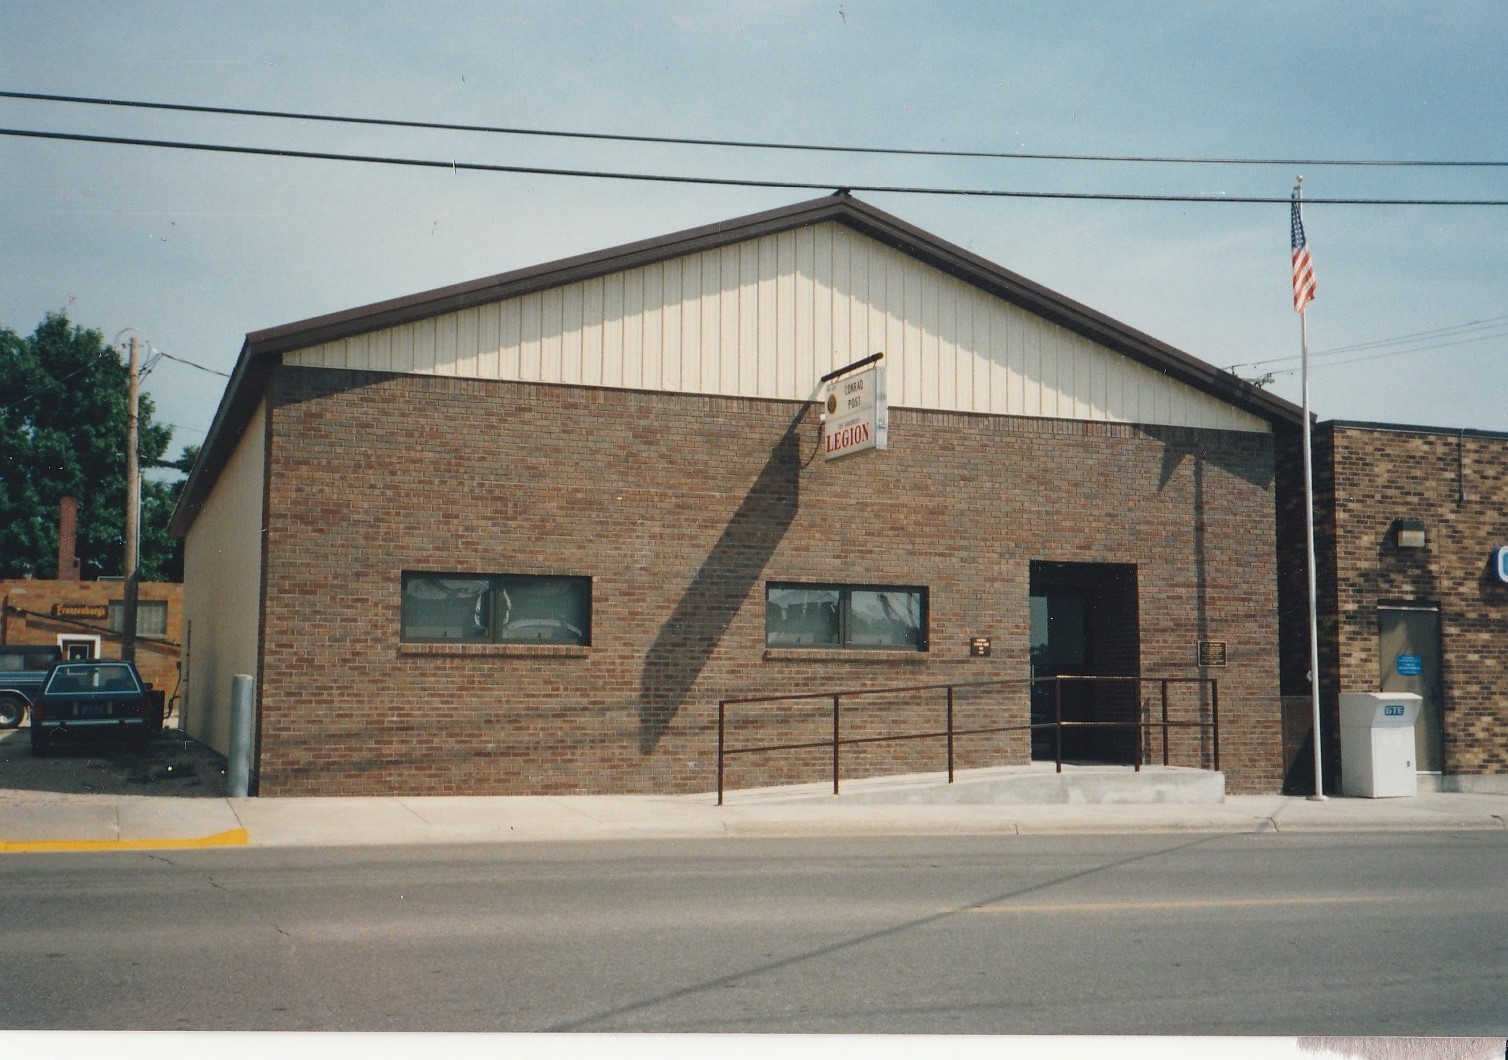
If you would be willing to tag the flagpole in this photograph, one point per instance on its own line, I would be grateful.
(1314, 670)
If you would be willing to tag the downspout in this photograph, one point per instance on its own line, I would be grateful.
(1461, 468)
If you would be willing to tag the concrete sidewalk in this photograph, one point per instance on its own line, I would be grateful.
(31, 822)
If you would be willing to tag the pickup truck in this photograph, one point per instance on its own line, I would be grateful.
(23, 668)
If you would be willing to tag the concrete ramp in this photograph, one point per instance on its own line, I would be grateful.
(1034, 785)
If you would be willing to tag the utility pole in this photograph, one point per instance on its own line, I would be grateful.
(133, 507)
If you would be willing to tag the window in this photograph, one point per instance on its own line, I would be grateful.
(151, 617)
(20, 658)
(845, 616)
(496, 608)
(92, 677)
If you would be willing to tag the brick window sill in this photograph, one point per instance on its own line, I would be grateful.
(556, 651)
(849, 655)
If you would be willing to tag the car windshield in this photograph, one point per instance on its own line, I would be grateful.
(92, 677)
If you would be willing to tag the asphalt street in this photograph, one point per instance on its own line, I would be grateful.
(1251, 934)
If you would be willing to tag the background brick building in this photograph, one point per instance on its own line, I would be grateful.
(522, 535)
(38, 611)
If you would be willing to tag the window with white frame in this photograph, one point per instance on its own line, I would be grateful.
(845, 616)
(496, 608)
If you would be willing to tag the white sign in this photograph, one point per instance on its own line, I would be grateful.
(1500, 561)
(857, 415)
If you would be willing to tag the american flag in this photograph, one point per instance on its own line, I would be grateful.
(1303, 266)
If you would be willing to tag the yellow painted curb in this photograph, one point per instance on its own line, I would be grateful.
(235, 837)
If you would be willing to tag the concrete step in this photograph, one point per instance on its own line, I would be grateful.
(1034, 785)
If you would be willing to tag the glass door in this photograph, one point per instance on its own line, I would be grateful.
(1059, 646)
(1408, 640)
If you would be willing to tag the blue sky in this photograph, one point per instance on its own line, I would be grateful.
(193, 250)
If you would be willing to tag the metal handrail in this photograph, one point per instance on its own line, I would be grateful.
(950, 732)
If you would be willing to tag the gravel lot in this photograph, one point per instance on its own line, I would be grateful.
(173, 766)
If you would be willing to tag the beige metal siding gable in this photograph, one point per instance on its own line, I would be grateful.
(769, 316)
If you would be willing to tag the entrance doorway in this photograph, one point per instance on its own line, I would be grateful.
(1408, 649)
(1084, 623)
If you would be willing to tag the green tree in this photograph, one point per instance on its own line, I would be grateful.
(63, 403)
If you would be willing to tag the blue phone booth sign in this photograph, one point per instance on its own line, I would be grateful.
(1500, 563)
(1410, 665)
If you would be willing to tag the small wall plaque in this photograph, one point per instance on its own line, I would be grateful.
(979, 647)
(1212, 653)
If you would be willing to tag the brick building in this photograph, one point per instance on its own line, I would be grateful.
(1408, 523)
(521, 535)
(37, 611)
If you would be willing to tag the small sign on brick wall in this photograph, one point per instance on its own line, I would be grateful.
(1212, 653)
(80, 611)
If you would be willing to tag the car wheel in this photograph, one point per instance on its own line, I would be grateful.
(11, 711)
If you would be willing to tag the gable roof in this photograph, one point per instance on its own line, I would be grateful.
(262, 350)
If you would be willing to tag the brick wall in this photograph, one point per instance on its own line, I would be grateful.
(681, 508)
(1457, 484)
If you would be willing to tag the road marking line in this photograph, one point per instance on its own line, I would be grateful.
(235, 837)
(1203, 903)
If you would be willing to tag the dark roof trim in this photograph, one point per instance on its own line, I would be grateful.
(535, 278)
(1413, 428)
(1070, 314)
(261, 349)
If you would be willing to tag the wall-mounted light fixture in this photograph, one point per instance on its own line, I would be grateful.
(1409, 533)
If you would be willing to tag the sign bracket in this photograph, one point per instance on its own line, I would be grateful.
(866, 362)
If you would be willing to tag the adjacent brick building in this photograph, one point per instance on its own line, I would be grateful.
(43, 611)
(522, 535)
(1408, 523)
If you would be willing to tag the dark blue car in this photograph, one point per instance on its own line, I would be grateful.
(93, 700)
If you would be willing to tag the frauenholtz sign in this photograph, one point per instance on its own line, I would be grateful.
(80, 611)
(857, 415)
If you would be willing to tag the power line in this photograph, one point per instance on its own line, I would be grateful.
(191, 364)
(154, 355)
(399, 123)
(191, 431)
(1375, 356)
(1491, 324)
(740, 182)
(1461, 334)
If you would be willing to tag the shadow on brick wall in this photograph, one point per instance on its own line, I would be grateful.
(724, 580)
